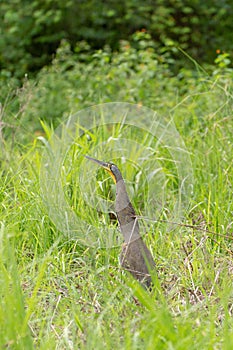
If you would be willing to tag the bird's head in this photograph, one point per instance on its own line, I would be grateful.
(111, 168)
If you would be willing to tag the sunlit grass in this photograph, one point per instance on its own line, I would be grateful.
(58, 293)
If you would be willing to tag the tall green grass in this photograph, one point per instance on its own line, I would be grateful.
(59, 294)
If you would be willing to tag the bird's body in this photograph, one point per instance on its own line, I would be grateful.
(135, 256)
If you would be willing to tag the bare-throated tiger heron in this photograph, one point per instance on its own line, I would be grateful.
(135, 256)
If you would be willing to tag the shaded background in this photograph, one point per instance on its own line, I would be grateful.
(31, 31)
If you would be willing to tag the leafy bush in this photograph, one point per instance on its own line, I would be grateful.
(32, 31)
(132, 74)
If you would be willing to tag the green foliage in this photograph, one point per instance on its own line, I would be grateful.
(136, 74)
(14, 331)
(57, 293)
(70, 84)
(77, 297)
(32, 31)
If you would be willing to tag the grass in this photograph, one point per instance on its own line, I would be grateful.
(59, 293)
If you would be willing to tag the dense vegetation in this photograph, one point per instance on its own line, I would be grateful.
(58, 292)
(31, 31)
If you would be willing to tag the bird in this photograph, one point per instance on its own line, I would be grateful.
(135, 256)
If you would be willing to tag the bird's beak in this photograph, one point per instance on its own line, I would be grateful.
(103, 165)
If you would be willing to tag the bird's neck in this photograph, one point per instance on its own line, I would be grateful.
(126, 214)
(122, 198)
